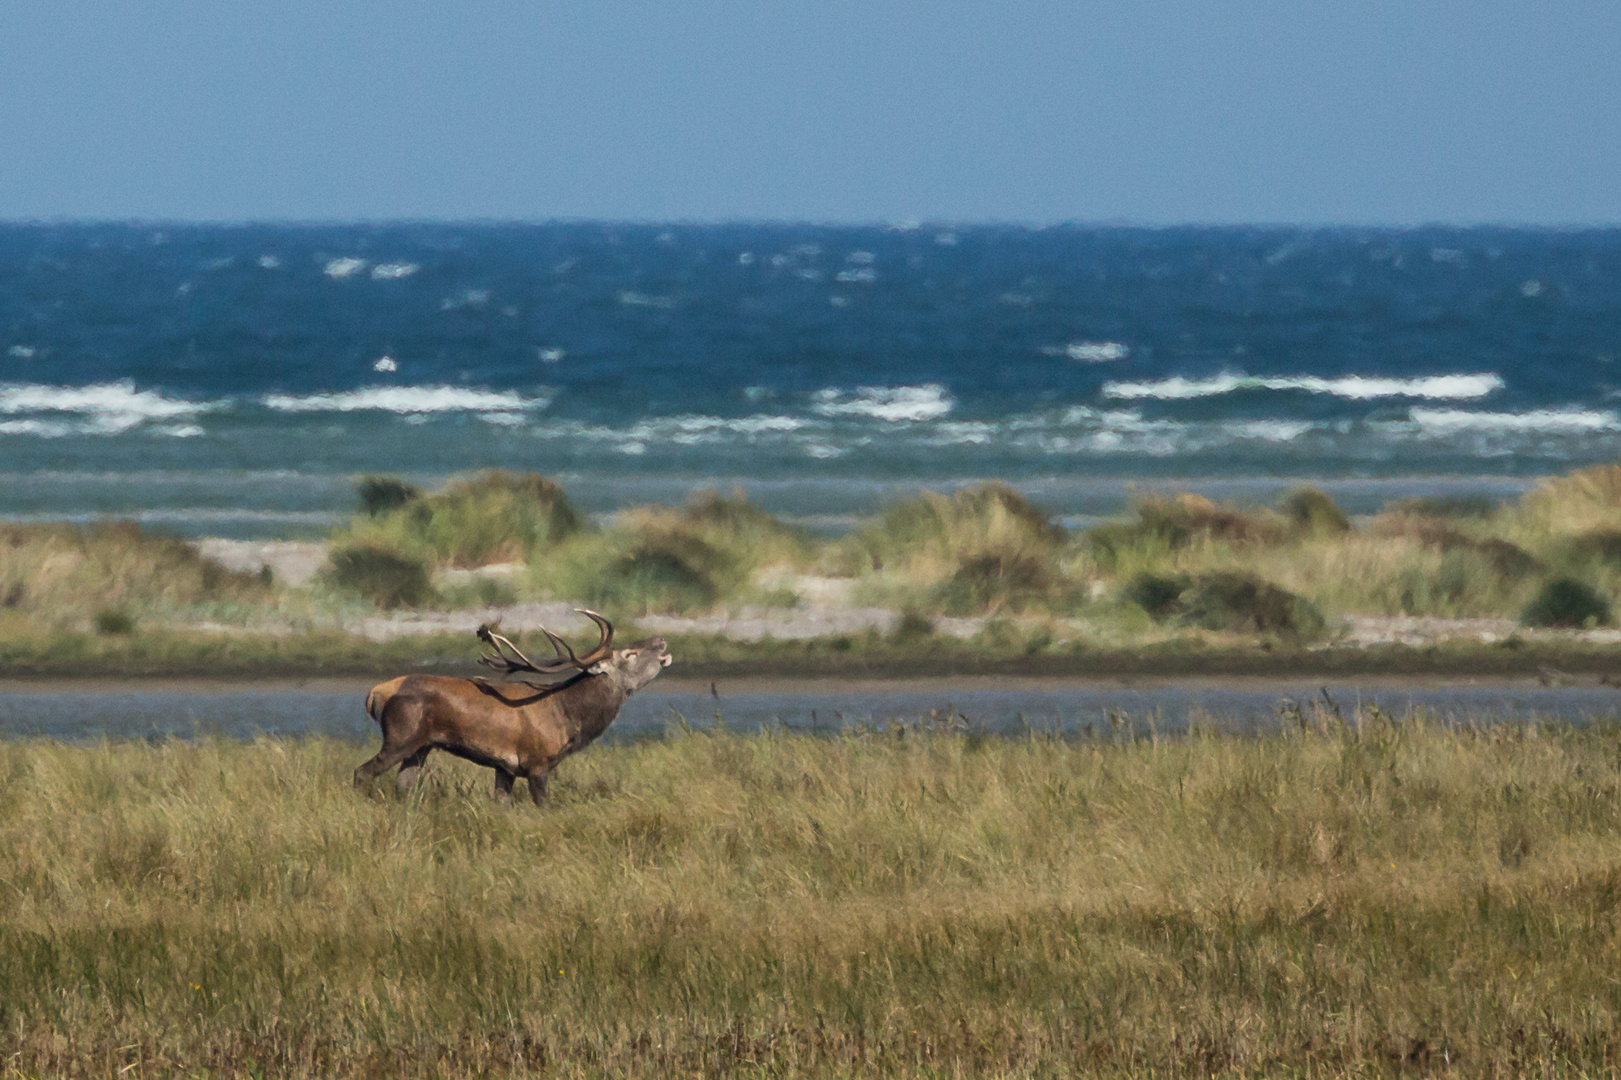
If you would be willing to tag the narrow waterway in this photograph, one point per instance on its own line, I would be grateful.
(66, 713)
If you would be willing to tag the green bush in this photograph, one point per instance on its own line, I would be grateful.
(1314, 512)
(112, 621)
(1566, 602)
(1171, 524)
(493, 517)
(382, 494)
(1160, 596)
(388, 577)
(1244, 604)
(983, 548)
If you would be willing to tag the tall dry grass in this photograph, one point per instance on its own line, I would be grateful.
(1339, 899)
(62, 576)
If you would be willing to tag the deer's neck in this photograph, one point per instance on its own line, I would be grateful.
(592, 706)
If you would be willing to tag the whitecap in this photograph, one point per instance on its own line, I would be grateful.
(408, 400)
(946, 239)
(550, 356)
(475, 298)
(839, 301)
(865, 275)
(636, 299)
(45, 429)
(179, 431)
(21, 352)
(1355, 387)
(386, 363)
(1569, 421)
(502, 419)
(634, 449)
(894, 404)
(1531, 288)
(1096, 352)
(824, 452)
(110, 408)
(1267, 430)
(269, 262)
(862, 258)
(342, 268)
(393, 271)
(746, 258)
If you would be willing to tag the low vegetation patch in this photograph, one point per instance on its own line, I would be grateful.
(1566, 603)
(389, 577)
(66, 575)
(658, 560)
(910, 901)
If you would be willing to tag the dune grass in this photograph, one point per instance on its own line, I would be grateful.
(660, 559)
(112, 574)
(1339, 899)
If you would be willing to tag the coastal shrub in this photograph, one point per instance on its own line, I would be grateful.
(1159, 595)
(381, 494)
(388, 577)
(1577, 502)
(1447, 506)
(982, 548)
(1245, 604)
(1314, 513)
(112, 621)
(1567, 603)
(64, 574)
(1602, 546)
(662, 560)
(1165, 525)
(493, 517)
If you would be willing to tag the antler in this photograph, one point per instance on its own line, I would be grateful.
(498, 660)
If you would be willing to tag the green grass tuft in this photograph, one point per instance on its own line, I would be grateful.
(492, 517)
(387, 577)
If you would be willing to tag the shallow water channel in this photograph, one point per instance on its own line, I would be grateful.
(1107, 711)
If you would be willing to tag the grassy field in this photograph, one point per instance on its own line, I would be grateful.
(1339, 899)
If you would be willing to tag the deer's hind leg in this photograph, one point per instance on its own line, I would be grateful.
(409, 768)
(386, 759)
(503, 785)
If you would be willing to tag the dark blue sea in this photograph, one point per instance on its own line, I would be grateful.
(234, 380)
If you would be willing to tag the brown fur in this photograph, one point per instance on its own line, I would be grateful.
(517, 729)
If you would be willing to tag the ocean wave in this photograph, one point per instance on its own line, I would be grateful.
(1096, 352)
(393, 271)
(1570, 421)
(109, 408)
(338, 269)
(895, 404)
(409, 400)
(1355, 387)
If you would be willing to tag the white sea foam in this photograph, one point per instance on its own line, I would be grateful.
(892, 403)
(342, 268)
(386, 363)
(473, 298)
(636, 299)
(409, 400)
(864, 275)
(1356, 387)
(179, 431)
(109, 408)
(550, 356)
(861, 258)
(393, 271)
(1267, 430)
(21, 352)
(746, 258)
(1538, 421)
(269, 262)
(1096, 352)
(45, 429)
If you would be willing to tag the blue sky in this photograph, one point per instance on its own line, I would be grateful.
(878, 110)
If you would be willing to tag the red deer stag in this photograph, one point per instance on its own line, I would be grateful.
(517, 728)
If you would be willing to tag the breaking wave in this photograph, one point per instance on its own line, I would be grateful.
(1353, 387)
(409, 399)
(895, 404)
(105, 408)
(1537, 421)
